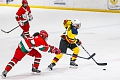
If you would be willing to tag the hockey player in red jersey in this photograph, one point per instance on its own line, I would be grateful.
(27, 47)
(23, 16)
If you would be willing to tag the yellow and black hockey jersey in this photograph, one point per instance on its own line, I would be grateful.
(70, 33)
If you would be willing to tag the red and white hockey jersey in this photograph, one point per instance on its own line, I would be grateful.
(27, 44)
(23, 14)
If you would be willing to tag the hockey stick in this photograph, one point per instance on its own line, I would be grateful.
(91, 56)
(10, 30)
(101, 64)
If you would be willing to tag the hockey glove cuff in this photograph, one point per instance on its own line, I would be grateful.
(30, 17)
(21, 23)
(55, 50)
(78, 42)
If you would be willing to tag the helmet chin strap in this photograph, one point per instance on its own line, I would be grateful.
(77, 27)
(46, 39)
(24, 6)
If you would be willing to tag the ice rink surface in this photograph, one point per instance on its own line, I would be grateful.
(100, 34)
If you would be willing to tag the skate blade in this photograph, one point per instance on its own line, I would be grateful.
(74, 67)
(3, 76)
(35, 73)
(49, 69)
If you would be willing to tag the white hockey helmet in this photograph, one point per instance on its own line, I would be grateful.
(76, 22)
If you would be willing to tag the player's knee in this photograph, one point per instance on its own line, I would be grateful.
(15, 60)
(38, 55)
(59, 55)
(76, 50)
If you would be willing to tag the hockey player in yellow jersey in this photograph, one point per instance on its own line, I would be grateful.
(68, 40)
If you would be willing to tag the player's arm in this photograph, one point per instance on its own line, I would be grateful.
(29, 14)
(49, 48)
(19, 17)
(67, 23)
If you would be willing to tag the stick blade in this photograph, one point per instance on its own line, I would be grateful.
(4, 31)
(102, 64)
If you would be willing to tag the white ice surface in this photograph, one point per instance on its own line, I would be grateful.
(100, 34)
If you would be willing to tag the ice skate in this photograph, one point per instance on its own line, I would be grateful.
(73, 64)
(4, 74)
(35, 71)
(50, 67)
